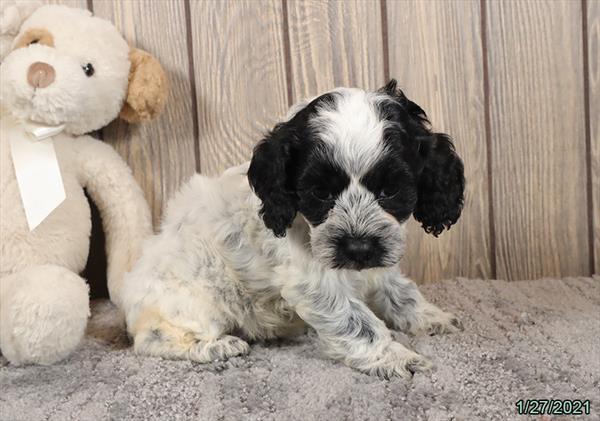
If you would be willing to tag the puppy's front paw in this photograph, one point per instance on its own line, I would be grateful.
(433, 321)
(399, 361)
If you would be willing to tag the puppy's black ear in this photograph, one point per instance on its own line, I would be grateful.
(441, 184)
(268, 177)
(412, 108)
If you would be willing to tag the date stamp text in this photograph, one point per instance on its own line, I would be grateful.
(553, 406)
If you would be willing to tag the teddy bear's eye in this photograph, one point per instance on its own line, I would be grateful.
(88, 69)
(35, 41)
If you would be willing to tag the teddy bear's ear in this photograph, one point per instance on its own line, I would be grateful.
(12, 16)
(148, 87)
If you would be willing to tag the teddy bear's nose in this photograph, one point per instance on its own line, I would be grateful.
(40, 74)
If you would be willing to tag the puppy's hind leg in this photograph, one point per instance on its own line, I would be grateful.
(153, 335)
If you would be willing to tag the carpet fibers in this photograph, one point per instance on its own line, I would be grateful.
(522, 340)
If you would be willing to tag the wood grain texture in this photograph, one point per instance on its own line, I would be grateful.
(538, 138)
(436, 55)
(536, 85)
(593, 25)
(335, 43)
(71, 3)
(160, 152)
(240, 77)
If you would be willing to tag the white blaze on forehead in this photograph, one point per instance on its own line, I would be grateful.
(353, 128)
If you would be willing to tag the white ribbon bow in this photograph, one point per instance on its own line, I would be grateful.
(37, 171)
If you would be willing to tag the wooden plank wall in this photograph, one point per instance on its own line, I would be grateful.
(239, 73)
(517, 85)
(538, 143)
(592, 33)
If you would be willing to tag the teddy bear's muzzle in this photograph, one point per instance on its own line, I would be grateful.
(40, 75)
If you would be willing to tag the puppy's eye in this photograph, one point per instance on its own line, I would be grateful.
(388, 192)
(88, 69)
(35, 41)
(322, 194)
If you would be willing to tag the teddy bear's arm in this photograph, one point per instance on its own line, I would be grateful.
(125, 214)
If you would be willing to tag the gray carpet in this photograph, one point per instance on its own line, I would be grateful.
(538, 339)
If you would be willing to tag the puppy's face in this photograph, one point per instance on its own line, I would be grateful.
(356, 165)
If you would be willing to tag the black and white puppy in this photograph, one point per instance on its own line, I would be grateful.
(310, 233)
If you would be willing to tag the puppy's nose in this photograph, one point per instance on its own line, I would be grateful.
(357, 249)
(40, 75)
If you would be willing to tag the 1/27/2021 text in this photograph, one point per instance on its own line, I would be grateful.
(553, 406)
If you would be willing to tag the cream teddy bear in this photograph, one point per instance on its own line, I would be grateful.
(64, 73)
